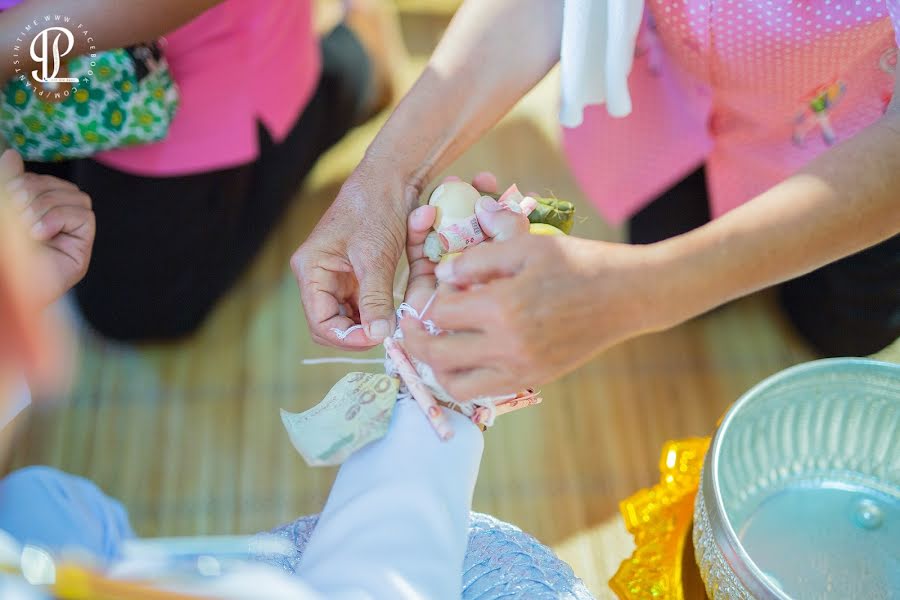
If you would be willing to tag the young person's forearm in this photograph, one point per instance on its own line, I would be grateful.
(109, 24)
(491, 55)
(844, 201)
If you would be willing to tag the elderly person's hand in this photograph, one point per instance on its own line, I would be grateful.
(528, 309)
(345, 269)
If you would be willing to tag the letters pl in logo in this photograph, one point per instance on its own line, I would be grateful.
(48, 48)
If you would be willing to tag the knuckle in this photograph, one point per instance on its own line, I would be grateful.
(376, 263)
(297, 263)
(503, 313)
(381, 244)
(376, 299)
(375, 266)
(299, 259)
(49, 202)
(43, 200)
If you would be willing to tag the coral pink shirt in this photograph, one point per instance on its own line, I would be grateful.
(240, 62)
(752, 88)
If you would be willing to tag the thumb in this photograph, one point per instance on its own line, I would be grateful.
(498, 222)
(11, 165)
(376, 298)
(483, 263)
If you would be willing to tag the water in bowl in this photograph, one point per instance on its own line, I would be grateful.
(827, 540)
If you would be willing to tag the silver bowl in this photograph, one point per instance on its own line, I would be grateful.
(800, 491)
(502, 562)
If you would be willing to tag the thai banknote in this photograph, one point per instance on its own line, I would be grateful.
(355, 412)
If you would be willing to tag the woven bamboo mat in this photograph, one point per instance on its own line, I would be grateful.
(188, 435)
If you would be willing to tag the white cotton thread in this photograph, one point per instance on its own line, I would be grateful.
(424, 372)
(341, 359)
(428, 304)
(343, 333)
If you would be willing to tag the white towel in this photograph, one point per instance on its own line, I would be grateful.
(598, 42)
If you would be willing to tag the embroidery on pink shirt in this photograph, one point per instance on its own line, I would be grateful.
(815, 113)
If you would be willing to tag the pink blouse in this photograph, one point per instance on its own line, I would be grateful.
(752, 88)
(241, 62)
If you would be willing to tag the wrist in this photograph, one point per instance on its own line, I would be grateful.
(686, 272)
(422, 134)
(382, 184)
(641, 283)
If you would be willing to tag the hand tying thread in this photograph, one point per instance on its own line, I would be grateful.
(342, 334)
(419, 383)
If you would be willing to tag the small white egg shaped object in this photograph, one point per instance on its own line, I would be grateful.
(453, 200)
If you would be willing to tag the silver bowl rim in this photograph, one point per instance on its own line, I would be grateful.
(740, 562)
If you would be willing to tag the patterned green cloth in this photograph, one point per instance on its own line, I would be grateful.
(130, 99)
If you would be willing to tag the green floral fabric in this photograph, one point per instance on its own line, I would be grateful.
(112, 109)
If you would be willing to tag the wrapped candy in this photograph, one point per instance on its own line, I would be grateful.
(456, 226)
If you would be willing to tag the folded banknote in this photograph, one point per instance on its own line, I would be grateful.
(356, 412)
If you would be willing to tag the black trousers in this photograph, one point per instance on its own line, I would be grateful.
(167, 248)
(847, 308)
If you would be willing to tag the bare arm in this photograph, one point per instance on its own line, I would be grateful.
(842, 202)
(110, 24)
(493, 52)
(547, 304)
(491, 55)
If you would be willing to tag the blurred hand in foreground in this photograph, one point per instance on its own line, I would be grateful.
(58, 216)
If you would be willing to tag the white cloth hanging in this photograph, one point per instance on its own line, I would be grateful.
(598, 42)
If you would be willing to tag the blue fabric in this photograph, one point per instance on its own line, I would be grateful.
(59, 512)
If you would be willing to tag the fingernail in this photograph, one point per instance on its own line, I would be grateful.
(489, 204)
(37, 229)
(444, 271)
(528, 205)
(378, 330)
